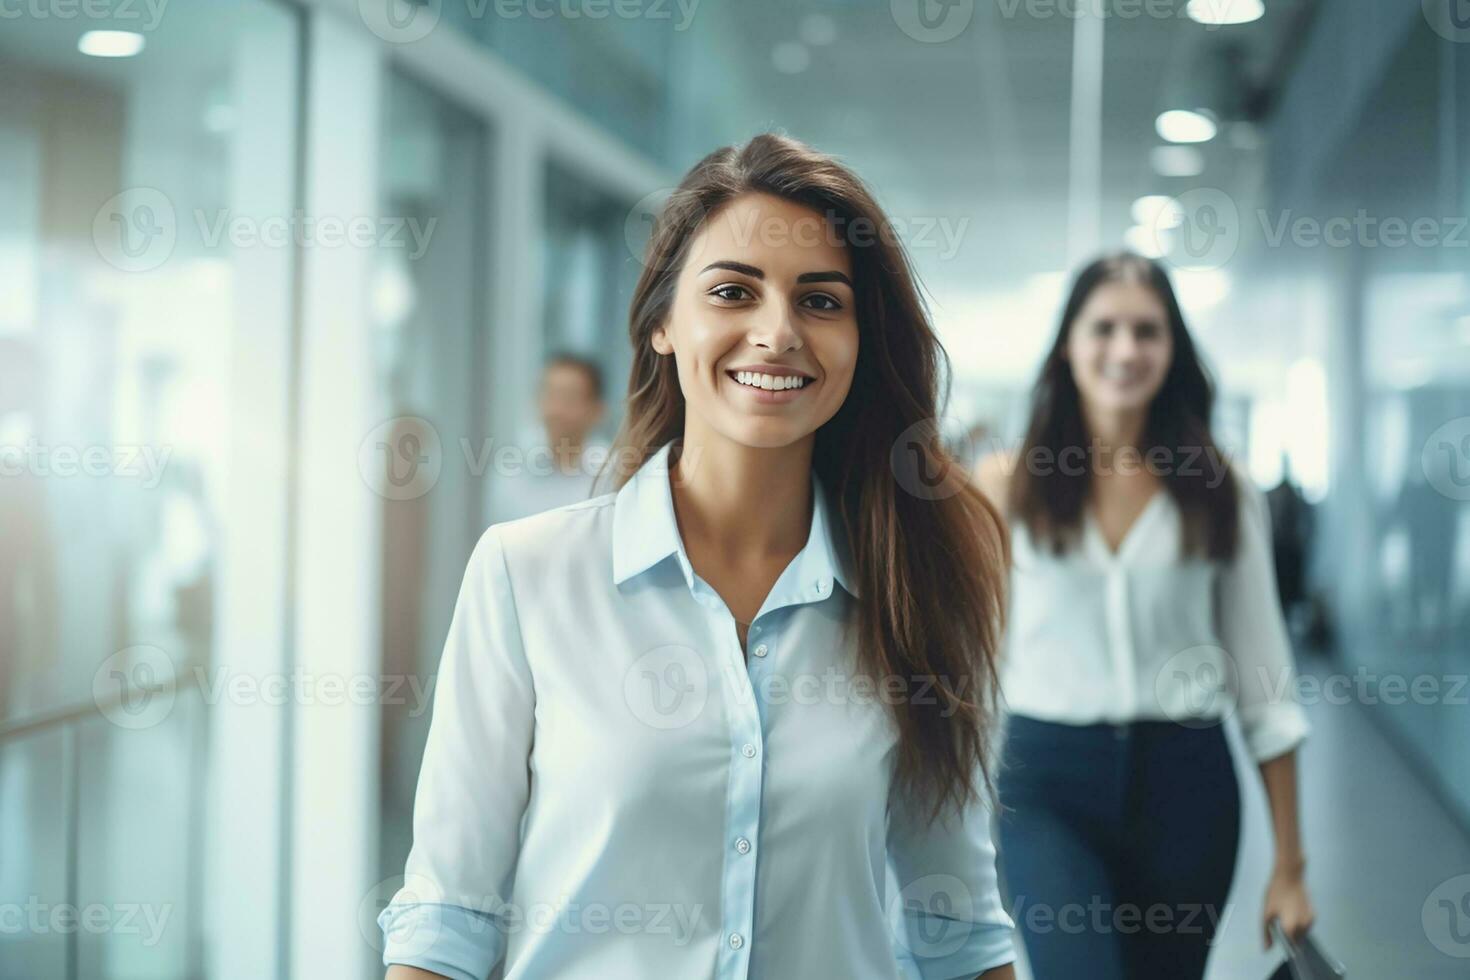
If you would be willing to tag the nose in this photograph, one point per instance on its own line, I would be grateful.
(1124, 345)
(773, 328)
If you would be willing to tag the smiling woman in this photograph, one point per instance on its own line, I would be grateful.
(765, 661)
(776, 332)
(1143, 613)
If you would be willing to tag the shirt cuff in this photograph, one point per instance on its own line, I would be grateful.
(985, 947)
(1274, 731)
(445, 939)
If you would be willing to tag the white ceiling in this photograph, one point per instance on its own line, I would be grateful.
(974, 131)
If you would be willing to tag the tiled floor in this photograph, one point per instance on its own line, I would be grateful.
(1378, 843)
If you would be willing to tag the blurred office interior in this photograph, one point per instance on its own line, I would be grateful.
(277, 279)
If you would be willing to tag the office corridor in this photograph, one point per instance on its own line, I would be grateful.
(300, 297)
(1379, 843)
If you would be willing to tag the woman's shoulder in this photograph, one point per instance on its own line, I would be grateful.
(570, 531)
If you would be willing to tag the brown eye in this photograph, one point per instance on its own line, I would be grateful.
(725, 292)
(828, 303)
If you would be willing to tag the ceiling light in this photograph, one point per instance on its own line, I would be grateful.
(110, 44)
(1155, 211)
(1185, 126)
(1219, 13)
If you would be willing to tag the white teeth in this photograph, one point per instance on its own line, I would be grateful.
(770, 382)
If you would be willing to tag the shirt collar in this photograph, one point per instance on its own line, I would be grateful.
(645, 532)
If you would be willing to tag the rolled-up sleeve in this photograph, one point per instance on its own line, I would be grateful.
(951, 921)
(1253, 632)
(450, 916)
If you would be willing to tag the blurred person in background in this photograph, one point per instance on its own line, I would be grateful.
(561, 470)
(605, 734)
(1291, 544)
(1143, 611)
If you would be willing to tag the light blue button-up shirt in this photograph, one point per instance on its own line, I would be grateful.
(613, 789)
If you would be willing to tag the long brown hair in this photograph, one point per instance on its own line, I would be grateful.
(1050, 499)
(930, 565)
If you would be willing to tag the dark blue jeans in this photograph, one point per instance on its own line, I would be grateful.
(1117, 846)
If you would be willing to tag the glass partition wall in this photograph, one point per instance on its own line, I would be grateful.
(133, 272)
(429, 319)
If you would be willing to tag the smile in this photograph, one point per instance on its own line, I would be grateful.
(770, 389)
(769, 382)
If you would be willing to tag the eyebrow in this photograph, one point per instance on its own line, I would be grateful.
(831, 275)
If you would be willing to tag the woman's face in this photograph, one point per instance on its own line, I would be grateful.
(1119, 347)
(763, 327)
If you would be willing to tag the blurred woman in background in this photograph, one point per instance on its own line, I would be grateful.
(1143, 611)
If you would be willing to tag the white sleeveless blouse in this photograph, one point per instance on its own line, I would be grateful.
(1145, 633)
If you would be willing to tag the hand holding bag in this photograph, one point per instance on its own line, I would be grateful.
(1305, 960)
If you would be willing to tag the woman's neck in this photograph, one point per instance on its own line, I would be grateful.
(1115, 429)
(745, 502)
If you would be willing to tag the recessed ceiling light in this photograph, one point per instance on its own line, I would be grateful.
(1185, 126)
(1157, 211)
(1176, 161)
(110, 44)
(1219, 13)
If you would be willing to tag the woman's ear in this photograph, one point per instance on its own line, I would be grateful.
(660, 340)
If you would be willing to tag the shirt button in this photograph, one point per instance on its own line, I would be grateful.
(761, 650)
(821, 587)
(736, 940)
(748, 750)
(743, 846)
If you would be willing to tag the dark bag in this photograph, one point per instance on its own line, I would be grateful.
(1305, 960)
